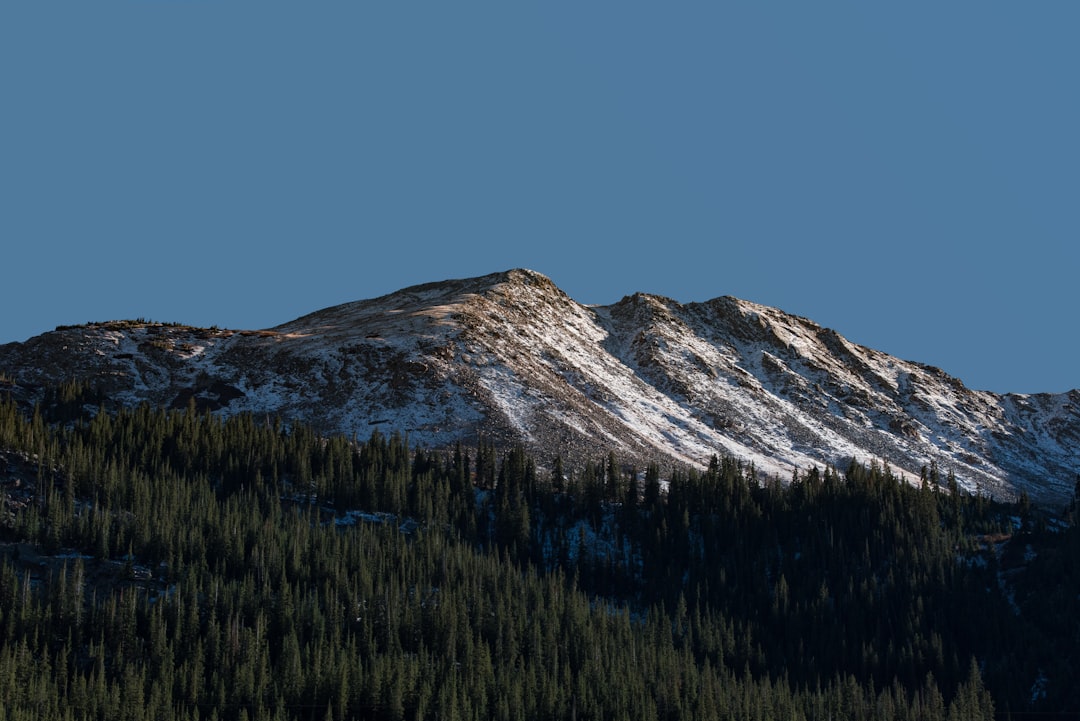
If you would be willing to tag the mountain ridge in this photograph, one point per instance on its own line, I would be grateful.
(511, 358)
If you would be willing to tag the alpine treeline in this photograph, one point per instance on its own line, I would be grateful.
(177, 565)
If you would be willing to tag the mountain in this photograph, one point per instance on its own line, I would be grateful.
(511, 358)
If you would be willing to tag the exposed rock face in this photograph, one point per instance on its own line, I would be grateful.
(509, 356)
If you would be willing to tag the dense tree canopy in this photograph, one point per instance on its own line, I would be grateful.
(171, 564)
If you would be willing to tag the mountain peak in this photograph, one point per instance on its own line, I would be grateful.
(518, 278)
(480, 284)
(511, 358)
(527, 276)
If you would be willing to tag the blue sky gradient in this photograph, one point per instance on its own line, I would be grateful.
(908, 174)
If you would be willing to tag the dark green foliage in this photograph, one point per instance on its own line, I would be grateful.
(210, 572)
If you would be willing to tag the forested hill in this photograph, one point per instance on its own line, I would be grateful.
(177, 565)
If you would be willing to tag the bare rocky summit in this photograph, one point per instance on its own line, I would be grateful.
(511, 358)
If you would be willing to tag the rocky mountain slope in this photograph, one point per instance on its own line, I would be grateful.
(511, 358)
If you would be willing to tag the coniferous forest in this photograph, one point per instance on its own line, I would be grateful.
(177, 565)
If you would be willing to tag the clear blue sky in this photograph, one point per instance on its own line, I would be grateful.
(906, 173)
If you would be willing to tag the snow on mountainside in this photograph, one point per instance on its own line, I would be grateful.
(511, 358)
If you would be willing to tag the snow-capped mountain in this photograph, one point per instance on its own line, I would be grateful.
(511, 358)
